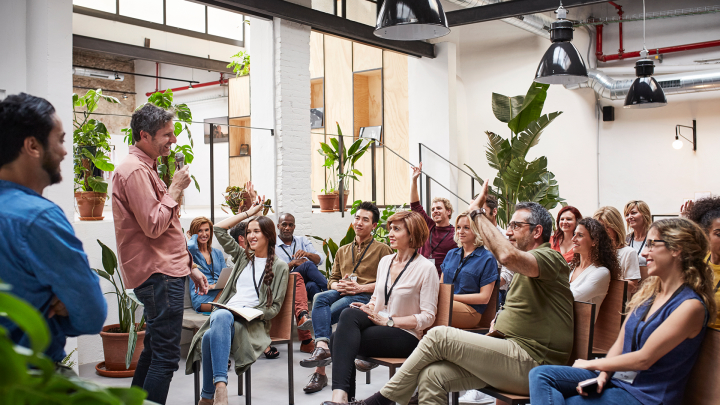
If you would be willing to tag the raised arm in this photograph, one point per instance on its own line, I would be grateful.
(228, 223)
(414, 195)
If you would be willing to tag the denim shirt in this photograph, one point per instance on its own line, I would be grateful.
(479, 270)
(212, 272)
(41, 258)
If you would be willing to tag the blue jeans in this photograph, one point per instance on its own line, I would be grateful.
(216, 350)
(315, 282)
(327, 308)
(163, 297)
(556, 385)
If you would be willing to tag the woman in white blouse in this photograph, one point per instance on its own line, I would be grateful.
(611, 219)
(594, 264)
(403, 305)
(638, 219)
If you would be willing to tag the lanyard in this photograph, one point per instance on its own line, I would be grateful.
(463, 260)
(361, 256)
(389, 293)
(293, 245)
(717, 286)
(632, 243)
(432, 249)
(647, 322)
(257, 286)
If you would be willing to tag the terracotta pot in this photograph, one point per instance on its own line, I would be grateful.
(115, 347)
(90, 205)
(327, 202)
(336, 206)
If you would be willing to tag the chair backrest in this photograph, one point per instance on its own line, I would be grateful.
(443, 315)
(281, 326)
(491, 308)
(703, 386)
(584, 315)
(610, 316)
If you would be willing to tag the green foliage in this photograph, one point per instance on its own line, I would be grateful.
(29, 377)
(345, 159)
(330, 249)
(126, 300)
(380, 233)
(241, 66)
(91, 142)
(517, 179)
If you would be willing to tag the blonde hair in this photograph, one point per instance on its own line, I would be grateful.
(692, 242)
(613, 221)
(473, 226)
(415, 224)
(643, 209)
(195, 228)
(445, 202)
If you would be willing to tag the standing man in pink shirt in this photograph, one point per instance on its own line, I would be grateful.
(152, 252)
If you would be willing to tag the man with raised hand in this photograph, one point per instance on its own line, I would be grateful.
(352, 280)
(152, 252)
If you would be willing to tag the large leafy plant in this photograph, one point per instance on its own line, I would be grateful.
(29, 377)
(342, 162)
(519, 179)
(91, 142)
(127, 303)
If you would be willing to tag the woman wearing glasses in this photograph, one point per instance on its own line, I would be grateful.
(638, 218)
(611, 219)
(473, 271)
(660, 339)
(561, 241)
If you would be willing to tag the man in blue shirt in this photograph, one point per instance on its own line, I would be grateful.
(300, 255)
(40, 255)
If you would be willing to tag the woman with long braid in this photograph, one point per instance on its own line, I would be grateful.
(259, 280)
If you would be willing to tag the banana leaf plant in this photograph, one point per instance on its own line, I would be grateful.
(29, 377)
(91, 142)
(335, 159)
(517, 179)
(128, 303)
(330, 248)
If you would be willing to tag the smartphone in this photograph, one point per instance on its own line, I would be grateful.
(356, 305)
(593, 382)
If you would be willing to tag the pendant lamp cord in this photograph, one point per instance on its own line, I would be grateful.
(644, 47)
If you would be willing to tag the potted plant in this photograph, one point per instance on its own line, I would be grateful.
(342, 162)
(123, 341)
(91, 146)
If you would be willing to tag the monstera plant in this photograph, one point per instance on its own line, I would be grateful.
(519, 179)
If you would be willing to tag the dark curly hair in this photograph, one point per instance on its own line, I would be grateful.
(704, 212)
(604, 252)
(267, 227)
(149, 118)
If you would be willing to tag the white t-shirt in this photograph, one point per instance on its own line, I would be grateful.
(245, 294)
(638, 247)
(591, 286)
(629, 263)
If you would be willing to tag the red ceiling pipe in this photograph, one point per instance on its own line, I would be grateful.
(620, 25)
(669, 49)
(194, 86)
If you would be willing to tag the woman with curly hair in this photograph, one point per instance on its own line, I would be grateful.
(706, 213)
(659, 341)
(561, 240)
(259, 280)
(612, 220)
(594, 264)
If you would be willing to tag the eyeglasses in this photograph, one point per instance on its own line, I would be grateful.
(516, 224)
(652, 242)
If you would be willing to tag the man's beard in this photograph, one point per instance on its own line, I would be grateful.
(52, 169)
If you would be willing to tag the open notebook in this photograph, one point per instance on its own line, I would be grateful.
(248, 313)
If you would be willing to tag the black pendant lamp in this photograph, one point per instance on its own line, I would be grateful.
(408, 20)
(645, 92)
(562, 63)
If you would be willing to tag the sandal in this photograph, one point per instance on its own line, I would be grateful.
(272, 353)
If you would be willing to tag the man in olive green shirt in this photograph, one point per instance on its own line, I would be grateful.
(534, 328)
(352, 280)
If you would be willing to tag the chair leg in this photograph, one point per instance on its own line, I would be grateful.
(240, 385)
(392, 371)
(291, 374)
(196, 380)
(248, 395)
(367, 377)
(455, 398)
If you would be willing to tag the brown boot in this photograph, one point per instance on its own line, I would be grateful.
(320, 358)
(317, 382)
(308, 348)
(221, 395)
(205, 401)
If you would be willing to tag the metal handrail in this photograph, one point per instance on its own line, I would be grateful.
(443, 158)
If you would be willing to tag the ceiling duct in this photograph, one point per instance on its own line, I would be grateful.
(98, 74)
(537, 24)
(616, 89)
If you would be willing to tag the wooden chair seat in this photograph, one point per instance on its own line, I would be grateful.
(505, 397)
(703, 386)
(610, 318)
(492, 306)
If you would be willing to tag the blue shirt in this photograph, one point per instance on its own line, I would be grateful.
(285, 252)
(479, 269)
(41, 257)
(211, 271)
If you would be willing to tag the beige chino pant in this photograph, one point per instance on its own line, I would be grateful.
(451, 360)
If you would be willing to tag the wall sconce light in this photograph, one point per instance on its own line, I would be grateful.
(677, 144)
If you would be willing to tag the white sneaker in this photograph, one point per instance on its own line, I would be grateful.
(476, 397)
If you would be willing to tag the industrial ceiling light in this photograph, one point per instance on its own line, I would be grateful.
(677, 144)
(407, 20)
(562, 63)
(645, 91)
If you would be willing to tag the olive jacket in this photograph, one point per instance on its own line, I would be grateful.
(251, 338)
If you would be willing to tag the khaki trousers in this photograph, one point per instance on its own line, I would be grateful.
(464, 316)
(451, 360)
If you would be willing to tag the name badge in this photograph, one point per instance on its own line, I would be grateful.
(625, 376)
(384, 314)
(432, 261)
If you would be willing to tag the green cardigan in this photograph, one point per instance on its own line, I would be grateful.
(251, 338)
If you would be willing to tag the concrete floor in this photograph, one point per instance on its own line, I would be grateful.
(269, 382)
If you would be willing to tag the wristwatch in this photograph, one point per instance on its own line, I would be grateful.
(390, 322)
(475, 213)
